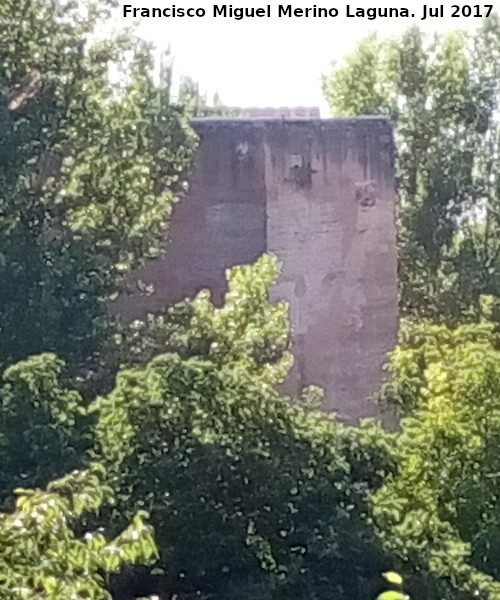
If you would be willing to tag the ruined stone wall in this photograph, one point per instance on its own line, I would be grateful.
(320, 194)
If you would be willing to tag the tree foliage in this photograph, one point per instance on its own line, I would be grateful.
(88, 174)
(247, 331)
(249, 494)
(190, 95)
(422, 344)
(440, 512)
(41, 556)
(443, 95)
(42, 425)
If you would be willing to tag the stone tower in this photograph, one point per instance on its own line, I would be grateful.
(320, 194)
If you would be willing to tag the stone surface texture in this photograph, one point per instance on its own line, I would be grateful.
(320, 194)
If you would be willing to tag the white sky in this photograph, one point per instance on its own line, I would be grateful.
(276, 61)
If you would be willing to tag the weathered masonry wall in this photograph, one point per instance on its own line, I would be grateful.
(320, 194)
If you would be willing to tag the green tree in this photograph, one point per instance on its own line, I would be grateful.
(443, 95)
(439, 513)
(92, 156)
